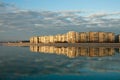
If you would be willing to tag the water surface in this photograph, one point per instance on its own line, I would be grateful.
(24, 63)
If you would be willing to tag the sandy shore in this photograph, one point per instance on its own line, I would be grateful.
(66, 44)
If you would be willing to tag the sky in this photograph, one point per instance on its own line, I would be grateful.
(22, 19)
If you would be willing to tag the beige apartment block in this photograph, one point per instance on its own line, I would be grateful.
(76, 37)
(93, 36)
(71, 37)
(102, 37)
(31, 40)
(55, 38)
(51, 39)
(64, 38)
(46, 39)
(59, 37)
(35, 40)
(111, 37)
(119, 38)
(83, 37)
(40, 39)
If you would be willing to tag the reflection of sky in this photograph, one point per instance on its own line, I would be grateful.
(19, 61)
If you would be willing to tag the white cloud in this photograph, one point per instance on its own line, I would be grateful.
(5, 7)
(17, 20)
(2, 31)
(32, 18)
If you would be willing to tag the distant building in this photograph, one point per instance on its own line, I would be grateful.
(51, 39)
(93, 36)
(111, 37)
(76, 37)
(83, 37)
(119, 38)
(102, 37)
(71, 37)
(31, 40)
(34, 40)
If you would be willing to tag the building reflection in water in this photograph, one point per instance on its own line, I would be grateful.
(72, 52)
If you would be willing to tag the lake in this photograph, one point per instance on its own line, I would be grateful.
(59, 63)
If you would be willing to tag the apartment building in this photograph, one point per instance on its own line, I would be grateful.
(71, 37)
(31, 40)
(102, 37)
(111, 37)
(83, 37)
(93, 36)
(34, 40)
(119, 38)
(76, 37)
(51, 39)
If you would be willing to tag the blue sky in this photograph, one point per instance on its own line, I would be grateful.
(21, 19)
(67, 4)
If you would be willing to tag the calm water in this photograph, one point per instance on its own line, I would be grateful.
(42, 63)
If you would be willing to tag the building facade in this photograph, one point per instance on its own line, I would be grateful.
(119, 38)
(102, 37)
(110, 37)
(93, 36)
(76, 37)
(83, 37)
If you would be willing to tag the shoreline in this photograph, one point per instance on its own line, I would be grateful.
(66, 44)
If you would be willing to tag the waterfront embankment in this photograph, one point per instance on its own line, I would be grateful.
(66, 44)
